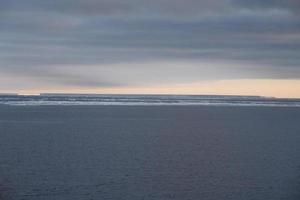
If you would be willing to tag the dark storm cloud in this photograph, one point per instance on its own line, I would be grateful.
(36, 36)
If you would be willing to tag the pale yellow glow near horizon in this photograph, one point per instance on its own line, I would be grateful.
(261, 87)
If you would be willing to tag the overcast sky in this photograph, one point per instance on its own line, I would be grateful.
(61, 44)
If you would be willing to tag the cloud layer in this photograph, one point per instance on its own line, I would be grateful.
(100, 43)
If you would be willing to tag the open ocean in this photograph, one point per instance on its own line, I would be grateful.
(149, 147)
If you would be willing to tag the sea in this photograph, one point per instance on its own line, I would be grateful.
(149, 147)
(102, 99)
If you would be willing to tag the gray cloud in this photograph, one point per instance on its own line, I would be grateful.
(36, 36)
(292, 5)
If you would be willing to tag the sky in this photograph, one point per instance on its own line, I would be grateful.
(238, 47)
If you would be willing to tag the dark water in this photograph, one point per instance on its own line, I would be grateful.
(149, 152)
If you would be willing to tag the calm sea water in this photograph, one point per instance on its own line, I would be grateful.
(149, 152)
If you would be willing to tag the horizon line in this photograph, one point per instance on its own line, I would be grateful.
(136, 94)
